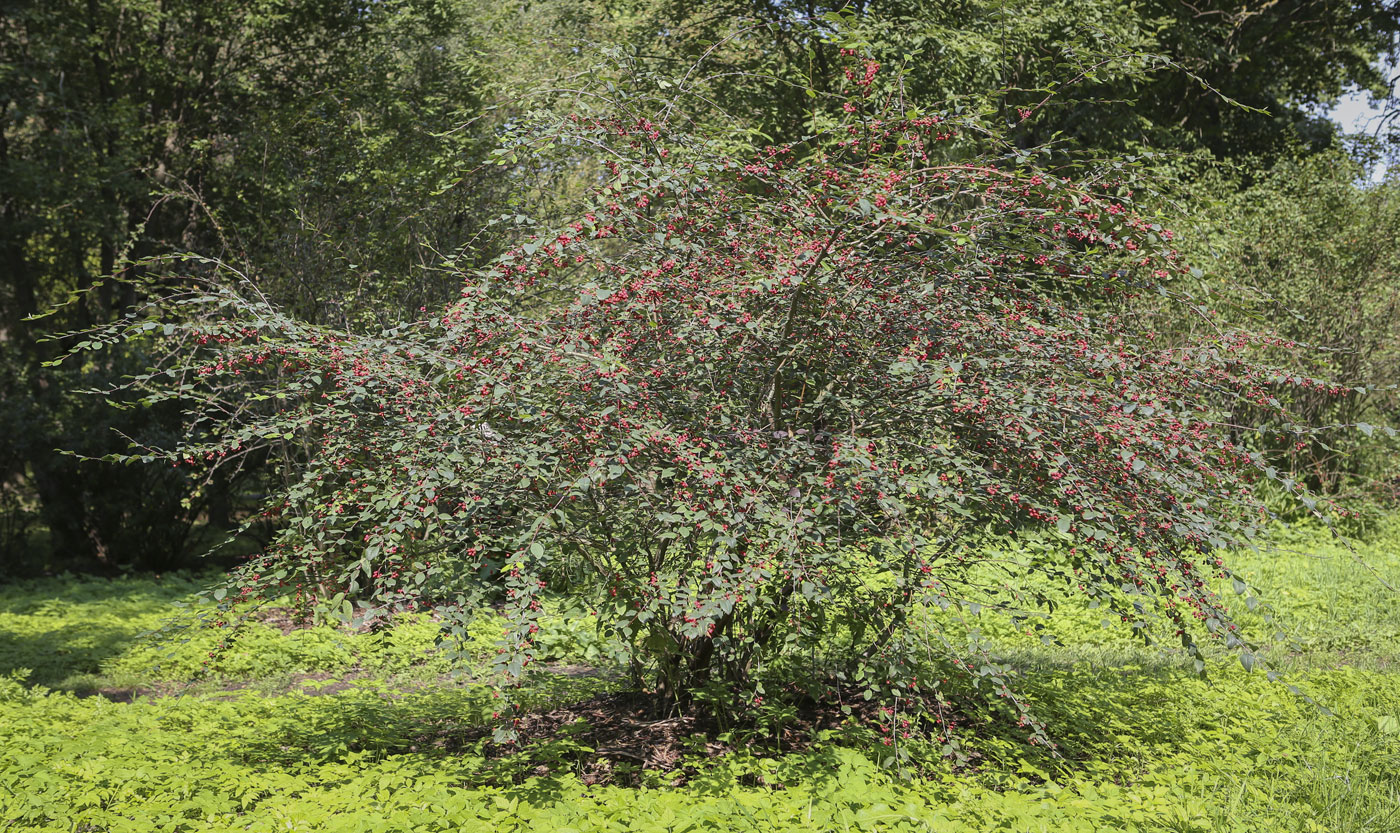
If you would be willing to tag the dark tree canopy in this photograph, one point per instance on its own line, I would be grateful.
(1122, 77)
(296, 139)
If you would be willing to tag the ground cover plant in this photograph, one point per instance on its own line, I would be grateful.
(1145, 744)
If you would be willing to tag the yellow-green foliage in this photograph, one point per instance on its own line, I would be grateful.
(1309, 598)
(1145, 745)
(1163, 752)
(85, 633)
(68, 626)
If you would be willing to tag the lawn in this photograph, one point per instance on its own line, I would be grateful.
(332, 729)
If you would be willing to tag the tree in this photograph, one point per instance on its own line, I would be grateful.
(1312, 249)
(762, 403)
(1112, 76)
(257, 130)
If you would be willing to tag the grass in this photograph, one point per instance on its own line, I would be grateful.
(326, 729)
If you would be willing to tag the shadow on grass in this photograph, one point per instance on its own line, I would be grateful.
(1094, 706)
(579, 729)
(453, 726)
(58, 655)
(69, 626)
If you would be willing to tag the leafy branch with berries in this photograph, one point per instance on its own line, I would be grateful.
(760, 411)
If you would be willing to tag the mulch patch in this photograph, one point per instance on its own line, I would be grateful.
(620, 727)
(612, 737)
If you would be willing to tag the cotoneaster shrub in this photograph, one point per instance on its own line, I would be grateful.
(754, 407)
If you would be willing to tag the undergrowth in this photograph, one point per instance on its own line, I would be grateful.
(332, 729)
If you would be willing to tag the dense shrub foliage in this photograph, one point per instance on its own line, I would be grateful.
(757, 402)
